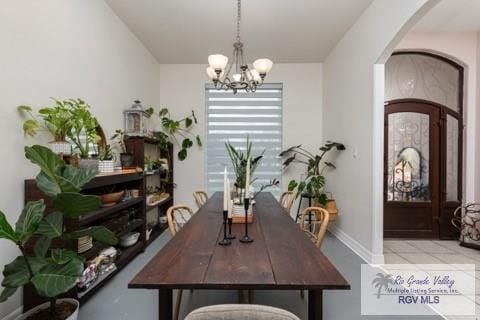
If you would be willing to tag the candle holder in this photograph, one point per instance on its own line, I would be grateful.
(246, 238)
(230, 236)
(225, 241)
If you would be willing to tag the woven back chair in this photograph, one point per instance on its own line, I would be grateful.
(318, 228)
(200, 198)
(240, 311)
(287, 199)
(177, 217)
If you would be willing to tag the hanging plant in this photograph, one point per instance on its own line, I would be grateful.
(176, 131)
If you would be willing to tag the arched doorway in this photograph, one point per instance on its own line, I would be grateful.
(423, 145)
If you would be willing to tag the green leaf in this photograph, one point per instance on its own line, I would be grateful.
(16, 274)
(289, 160)
(30, 219)
(74, 205)
(284, 152)
(24, 108)
(78, 177)
(163, 112)
(41, 246)
(199, 141)
(62, 256)
(331, 165)
(56, 279)
(7, 293)
(187, 143)
(188, 122)
(194, 117)
(182, 154)
(30, 127)
(149, 112)
(6, 230)
(292, 185)
(99, 233)
(51, 226)
(48, 161)
(48, 185)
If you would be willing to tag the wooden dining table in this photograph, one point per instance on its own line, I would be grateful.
(281, 257)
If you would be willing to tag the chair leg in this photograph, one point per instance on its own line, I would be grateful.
(177, 304)
(298, 210)
(302, 294)
(250, 296)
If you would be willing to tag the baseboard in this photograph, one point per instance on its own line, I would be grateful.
(356, 247)
(13, 315)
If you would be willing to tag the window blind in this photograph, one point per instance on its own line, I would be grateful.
(234, 117)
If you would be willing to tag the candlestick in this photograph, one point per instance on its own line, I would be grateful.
(230, 236)
(225, 241)
(246, 238)
(247, 176)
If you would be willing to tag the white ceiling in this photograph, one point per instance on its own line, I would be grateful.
(452, 16)
(187, 31)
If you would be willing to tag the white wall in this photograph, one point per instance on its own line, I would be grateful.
(477, 134)
(462, 48)
(353, 114)
(182, 88)
(64, 49)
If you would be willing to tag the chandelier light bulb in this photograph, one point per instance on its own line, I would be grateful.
(237, 77)
(217, 61)
(254, 75)
(263, 66)
(212, 75)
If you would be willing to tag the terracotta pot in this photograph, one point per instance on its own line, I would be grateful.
(46, 305)
(111, 199)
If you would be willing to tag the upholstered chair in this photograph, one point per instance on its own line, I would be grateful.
(240, 311)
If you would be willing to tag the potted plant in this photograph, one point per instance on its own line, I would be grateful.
(174, 131)
(52, 272)
(54, 119)
(314, 183)
(239, 162)
(106, 162)
(126, 159)
(83, 132)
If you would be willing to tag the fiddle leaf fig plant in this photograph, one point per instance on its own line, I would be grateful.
(84, 126)
(51, 271)
(176, 131)
(314, 182)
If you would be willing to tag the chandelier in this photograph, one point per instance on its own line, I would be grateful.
(243, 78)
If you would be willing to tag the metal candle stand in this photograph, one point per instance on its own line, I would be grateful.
(225, 241)
(246, 238)
(230, 236)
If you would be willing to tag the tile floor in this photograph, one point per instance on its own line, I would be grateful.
(433, 252)
(116, 302)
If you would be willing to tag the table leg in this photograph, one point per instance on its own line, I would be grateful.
(165, 304)
(315, 305)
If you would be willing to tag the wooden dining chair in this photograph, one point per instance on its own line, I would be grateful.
(287, 199)
(177, 217)
(318, 228)
(200, 198)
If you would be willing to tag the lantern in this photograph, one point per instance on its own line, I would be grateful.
(135, 120)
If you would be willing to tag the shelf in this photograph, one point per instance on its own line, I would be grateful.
(157, 231)
(145, 139)
(105, 212)
(112, 178)
(137, 223)
(160, 203)
(98, 282)
(128, 254)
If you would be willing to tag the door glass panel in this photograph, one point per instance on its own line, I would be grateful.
(452, 158)
(408, 156)
(422, 77)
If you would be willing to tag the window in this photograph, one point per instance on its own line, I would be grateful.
(233, 117)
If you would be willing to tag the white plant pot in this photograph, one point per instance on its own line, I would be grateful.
(46, 305)
(106, 166)
(61, 147)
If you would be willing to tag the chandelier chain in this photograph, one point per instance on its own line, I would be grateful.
(239, 16)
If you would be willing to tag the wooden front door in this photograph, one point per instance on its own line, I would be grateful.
(416, 185)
